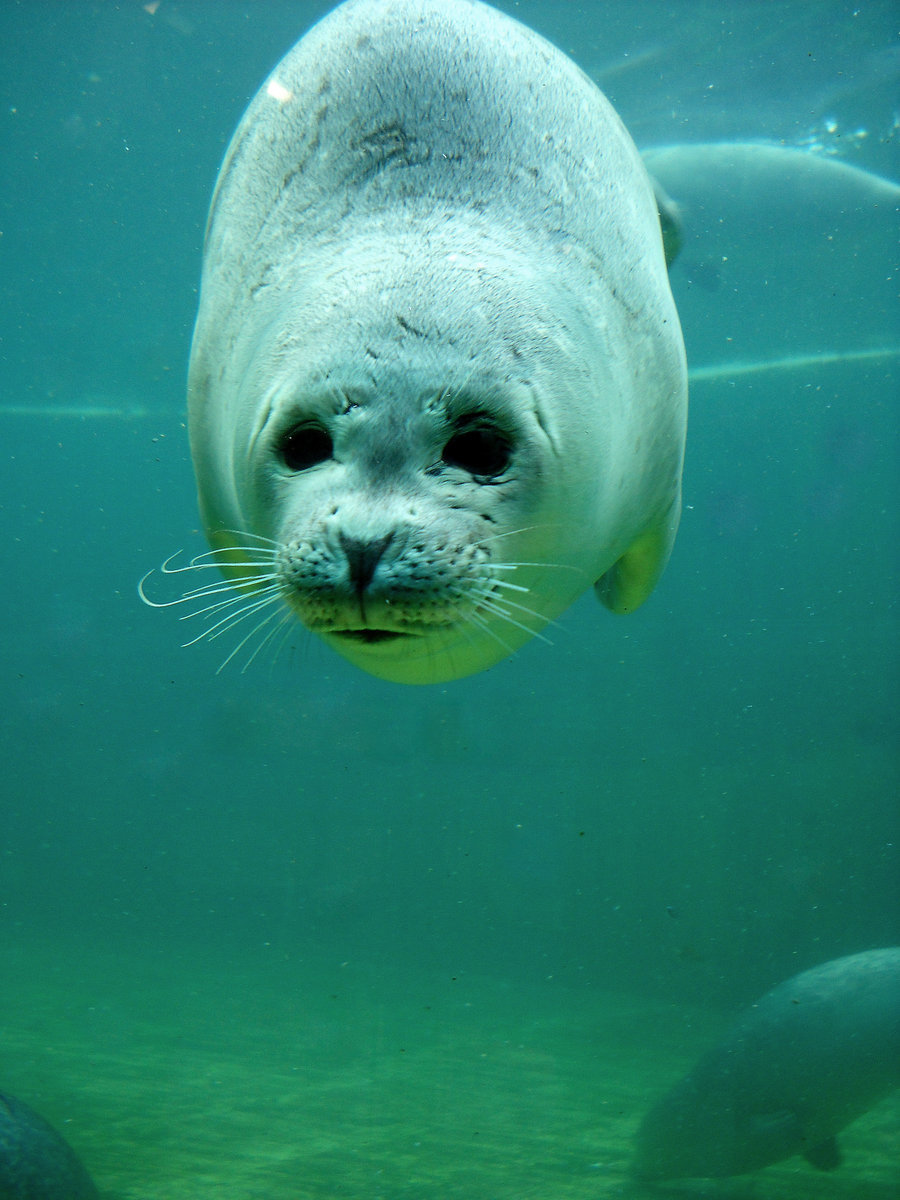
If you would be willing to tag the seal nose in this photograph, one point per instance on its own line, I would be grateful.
(363, 557)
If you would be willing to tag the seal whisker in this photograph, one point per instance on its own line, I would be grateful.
(500, 602)
(505, 602)
(510, 587)
(337, 394)
(201, 592)
(232, 596)
(230, 602)
(510, 620)
(487, 628)
(208, 560)
(449, 393)
(219, 607)
(472, 615)
(261, 552)
(284, 619)
(283, 622)
(244, 585)
(216, 566)
(154, 603)
(487, 604)
(230, 620)
(243, 642)
(287, 627)
(257, 537)
(514, 566)
(504, 533)
(214, 631)
(228, 564)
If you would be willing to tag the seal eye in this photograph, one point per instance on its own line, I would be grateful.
(305, 447)
(481, 451)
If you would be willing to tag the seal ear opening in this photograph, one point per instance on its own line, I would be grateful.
(631, 578)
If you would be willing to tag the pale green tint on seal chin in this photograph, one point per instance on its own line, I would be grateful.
(437, 371)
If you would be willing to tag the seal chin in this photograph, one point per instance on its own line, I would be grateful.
(407, 650)
(420, 657)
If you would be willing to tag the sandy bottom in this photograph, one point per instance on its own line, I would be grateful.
(180, 1079)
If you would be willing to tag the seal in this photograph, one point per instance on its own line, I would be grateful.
(804, 1061)
(437, 384)
(35, 1162)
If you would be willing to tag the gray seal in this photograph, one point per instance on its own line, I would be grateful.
(35, 1162)
(807, 1059)
(437, 384)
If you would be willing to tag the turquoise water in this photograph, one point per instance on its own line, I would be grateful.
(293, 932)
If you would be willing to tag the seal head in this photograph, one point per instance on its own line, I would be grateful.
(436, 363)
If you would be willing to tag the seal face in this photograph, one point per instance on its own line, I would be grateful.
(437, 368)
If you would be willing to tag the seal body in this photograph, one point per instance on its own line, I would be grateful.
(436, 362)
(35, 1162)
(808, 1058)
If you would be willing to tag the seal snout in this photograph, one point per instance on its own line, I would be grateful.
(370, 581)
(363, 556)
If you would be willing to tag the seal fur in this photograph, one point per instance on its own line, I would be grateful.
(436, 365)
(799, 1065)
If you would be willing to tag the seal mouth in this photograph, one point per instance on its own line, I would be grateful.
(368, 637)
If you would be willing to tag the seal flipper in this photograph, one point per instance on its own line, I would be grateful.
(826, 1155)
(670, 223)
(631, 579)
(633, 576)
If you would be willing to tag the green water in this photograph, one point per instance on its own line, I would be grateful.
(296, 933)
(297, 1080)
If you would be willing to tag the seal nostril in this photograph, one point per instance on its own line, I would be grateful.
(363, 557)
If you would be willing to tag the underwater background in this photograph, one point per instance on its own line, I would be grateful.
(296, 932)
